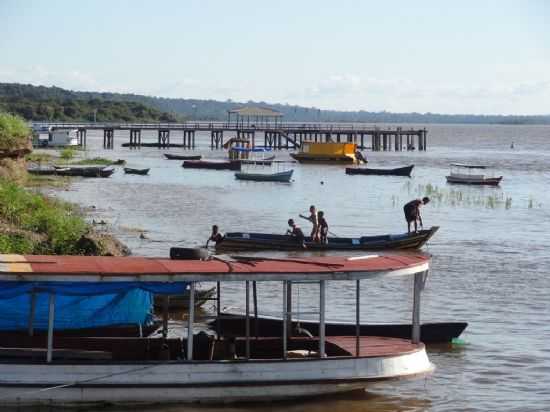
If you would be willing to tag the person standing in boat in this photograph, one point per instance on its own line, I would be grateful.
(216, 235)
(296, 233)
(323, 227)
(412, 213)
(314, 219)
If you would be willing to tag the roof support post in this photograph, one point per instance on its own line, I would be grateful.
(285, 310)
(322, 295)
(255, 300)
(419, 282)
(51, 315)
(357, 317)
(288, 317)
(32, 312)
(165, 305)
(218, 309)
(190, 321)
(247, 324)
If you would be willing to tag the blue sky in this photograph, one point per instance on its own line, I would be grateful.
(401, 56)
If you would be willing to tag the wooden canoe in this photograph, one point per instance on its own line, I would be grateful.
(264, 241)
(232, 324)
(182, 157)
(398, 171)
(130, 171)
(472, 180)
(179, 302)
(212, 164)
(283, 177)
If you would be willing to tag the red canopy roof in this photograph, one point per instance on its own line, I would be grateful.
(93, 268)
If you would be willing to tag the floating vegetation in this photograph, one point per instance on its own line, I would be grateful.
(456, 197)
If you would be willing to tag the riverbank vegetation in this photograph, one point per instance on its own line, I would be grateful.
(31, 222)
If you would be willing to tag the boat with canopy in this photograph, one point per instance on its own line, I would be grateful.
(201, 367)
(463, 174)
(255, 167)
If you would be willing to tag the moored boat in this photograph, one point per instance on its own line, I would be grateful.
(179, 302)
(462, 174)
(266, 241)
(182, 157)
(81, 171)
(234, 324)
(283, 177)
(212, 164)
(198, 368)
(330, 152)
(131, 171)
(398, 171)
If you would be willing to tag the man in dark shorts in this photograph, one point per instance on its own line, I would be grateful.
(323, 227)
(216, 235)
(412, 213)
(296, 233)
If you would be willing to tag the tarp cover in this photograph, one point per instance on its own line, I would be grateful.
(80, 304)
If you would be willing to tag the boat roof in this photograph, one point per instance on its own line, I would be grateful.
(31, 268)
(469, 166)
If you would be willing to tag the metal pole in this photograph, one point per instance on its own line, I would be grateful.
(32, 313)
(190, 321)
(218, 310)
(288, 318)
(322, 293)
(284, 317)
(255, 299)
(357, 317)
(247, 325)
(51, 314)
(165, 304)
(418, 280)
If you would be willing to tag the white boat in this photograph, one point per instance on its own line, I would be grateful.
(201, 368)
(260, 169)
(462, 174)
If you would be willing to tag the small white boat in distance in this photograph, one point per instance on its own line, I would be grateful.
(462, 174)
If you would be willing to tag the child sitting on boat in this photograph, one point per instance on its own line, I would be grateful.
(296, 233)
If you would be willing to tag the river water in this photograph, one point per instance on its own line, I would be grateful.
(490, 256)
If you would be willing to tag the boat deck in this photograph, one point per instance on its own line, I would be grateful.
(374, 346)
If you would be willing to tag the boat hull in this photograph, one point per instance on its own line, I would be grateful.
(399, 171)
(130, 171)
(265, 177)
(489, 181)
(203, 381)
(235, 325)
(262, 241)
(308, 158)
(206, 164)
(182, 157)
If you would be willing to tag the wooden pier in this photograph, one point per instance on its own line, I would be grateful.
(276, 135)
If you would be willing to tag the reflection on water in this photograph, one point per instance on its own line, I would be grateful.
(490, 260)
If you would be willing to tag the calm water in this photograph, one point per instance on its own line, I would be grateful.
(490, 257)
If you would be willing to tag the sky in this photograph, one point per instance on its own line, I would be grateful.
(469, 57)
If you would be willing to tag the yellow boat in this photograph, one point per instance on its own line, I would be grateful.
(317, 152)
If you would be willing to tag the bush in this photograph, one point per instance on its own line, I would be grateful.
(36, 213)
(13, 131)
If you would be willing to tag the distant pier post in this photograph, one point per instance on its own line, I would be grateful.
(164, 138)
(81, 136)
(135, 138)
(108, 138)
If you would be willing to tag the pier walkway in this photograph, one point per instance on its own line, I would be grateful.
(277, 135)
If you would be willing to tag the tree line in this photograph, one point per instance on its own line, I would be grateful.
(54, 103)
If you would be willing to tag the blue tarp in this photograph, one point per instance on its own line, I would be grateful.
(81, 304)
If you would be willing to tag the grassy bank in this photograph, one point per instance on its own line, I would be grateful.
(36, 224)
